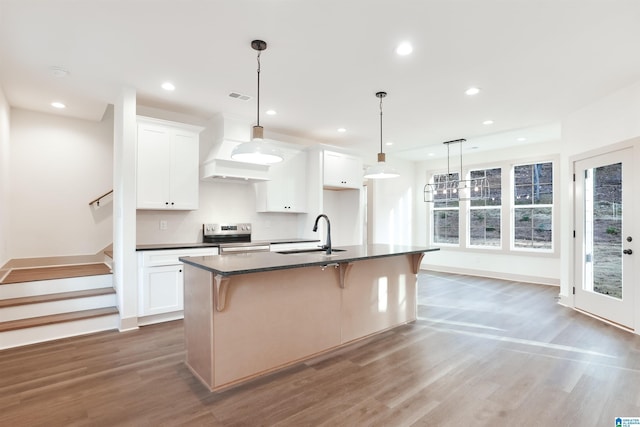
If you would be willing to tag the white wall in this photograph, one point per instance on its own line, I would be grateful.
(58, 165)
(522, 266)
(391, 213)
(4, 178)
(607, 122)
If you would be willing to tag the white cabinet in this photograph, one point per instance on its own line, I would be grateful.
(341, 170)
(167, 165)
(162, 290)
(161, 282)
(286, 191)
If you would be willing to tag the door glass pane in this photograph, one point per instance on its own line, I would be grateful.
(603, 230)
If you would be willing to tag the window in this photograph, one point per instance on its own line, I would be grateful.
(446, 209)
(485, 207)
(533, 206)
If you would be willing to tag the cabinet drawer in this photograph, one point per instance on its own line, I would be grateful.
(170, 257)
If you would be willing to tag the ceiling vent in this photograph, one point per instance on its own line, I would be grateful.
(239, 96)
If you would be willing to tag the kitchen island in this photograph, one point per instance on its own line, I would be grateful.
(246, 315)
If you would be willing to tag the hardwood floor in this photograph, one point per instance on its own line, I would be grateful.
(484, 352)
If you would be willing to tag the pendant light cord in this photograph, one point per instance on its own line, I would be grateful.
(381, 124)
(258, 111)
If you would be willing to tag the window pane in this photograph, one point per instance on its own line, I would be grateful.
(444, 196)
(445, 226)
(533, 184)
(533, 228)
(484, 227)
(489, 194)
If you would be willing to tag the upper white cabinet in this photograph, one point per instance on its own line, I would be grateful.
(167, 165)
(341, 170)
(286, 191)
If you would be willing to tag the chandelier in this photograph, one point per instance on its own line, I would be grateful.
(450, 187)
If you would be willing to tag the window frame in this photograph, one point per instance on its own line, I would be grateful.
(499, 208)
(507, 213)
(532, 206)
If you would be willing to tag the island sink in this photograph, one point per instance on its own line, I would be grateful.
(305, 251)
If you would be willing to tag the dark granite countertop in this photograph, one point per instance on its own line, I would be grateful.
(161, 246)
(257, 262)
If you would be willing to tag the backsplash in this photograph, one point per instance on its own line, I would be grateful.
(219, 202)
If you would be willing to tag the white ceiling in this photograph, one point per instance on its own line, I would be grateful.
(535, 60)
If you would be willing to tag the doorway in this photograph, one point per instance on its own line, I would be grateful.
(604, 236)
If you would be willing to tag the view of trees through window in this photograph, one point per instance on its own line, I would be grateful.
(532, 214)
(533, 210)
(485, 208)
(446, 203)
(605, 245)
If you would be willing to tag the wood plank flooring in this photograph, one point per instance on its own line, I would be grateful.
(57, 272)
(483, 353)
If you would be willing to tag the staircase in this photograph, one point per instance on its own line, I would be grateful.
(46, 303)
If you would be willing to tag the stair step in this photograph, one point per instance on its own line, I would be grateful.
(56, 318)
(13, 302)
(57, 272)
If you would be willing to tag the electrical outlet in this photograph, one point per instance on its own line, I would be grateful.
(163, 225)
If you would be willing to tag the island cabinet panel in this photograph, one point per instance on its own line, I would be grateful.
(273, 319)
(383, 296)
(242, 326)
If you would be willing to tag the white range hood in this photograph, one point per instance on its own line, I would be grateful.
(222, 167)
(223, 133)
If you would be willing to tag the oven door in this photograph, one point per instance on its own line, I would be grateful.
(239, 248)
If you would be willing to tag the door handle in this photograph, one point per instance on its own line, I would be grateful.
(627, 251)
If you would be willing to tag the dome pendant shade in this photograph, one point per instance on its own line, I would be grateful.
(257, 151)
(381, 170)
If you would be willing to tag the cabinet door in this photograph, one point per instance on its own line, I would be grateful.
(167, 166)
(184, 170)
(162, 290)
(341, 170)
(286, 191)
(153, 167)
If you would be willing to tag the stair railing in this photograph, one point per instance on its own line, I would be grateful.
(97, 200)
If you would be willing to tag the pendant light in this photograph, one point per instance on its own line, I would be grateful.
(256, 150)
(445, 187)
(381, 169)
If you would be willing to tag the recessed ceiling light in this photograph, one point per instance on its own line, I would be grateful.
(58, 105)
(388, 143)
(472, 91)
(271, 112)
(487, 122)
(404, 49)
(168, 86)
(342, 130)
(521, 139)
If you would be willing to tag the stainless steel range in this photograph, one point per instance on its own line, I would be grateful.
(233, 238)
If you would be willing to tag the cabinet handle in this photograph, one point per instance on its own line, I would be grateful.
(172, 203)
(180, 271)
(166, 203)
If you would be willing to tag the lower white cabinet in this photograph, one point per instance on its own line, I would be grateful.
(161, 290)
(161, 282)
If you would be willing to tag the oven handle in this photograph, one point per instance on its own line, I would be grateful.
(243, 249)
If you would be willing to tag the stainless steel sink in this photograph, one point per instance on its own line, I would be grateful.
(308, 251)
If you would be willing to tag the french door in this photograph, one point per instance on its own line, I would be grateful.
(605, 236)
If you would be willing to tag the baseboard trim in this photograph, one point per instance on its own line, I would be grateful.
(495, 275)
(127, 324)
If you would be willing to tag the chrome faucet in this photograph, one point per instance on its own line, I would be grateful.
(327, 245)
